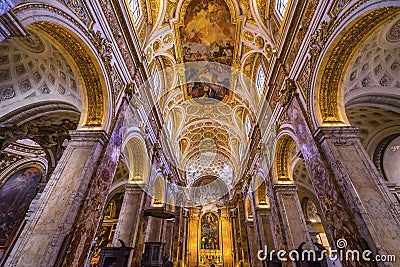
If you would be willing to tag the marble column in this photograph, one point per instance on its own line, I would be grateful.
(154, 230)
(263, 219)
(243, 233)
(141, 234)
(50, 226)
(252, 243)
(176, 238)
(193, 237)
(94, 203)
(63, 227)
(235, 236)
(345, 219)
(169, 235)
(183, 240)
(276, 221)
(130, 215)
(363, 187)
(180, 237)
(294, 225)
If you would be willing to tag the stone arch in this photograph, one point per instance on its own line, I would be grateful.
(35, 73)
(23, 163)
(158, 191)
(327, 89)
(121, 176)
(372, 94)
(260, 196)
(135, 157)
(86, 49)
(248, 208)
(282, 159)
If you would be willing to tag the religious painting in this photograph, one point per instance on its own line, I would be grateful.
(208, 80)
(209, 231)
(208, 35)
(15, 197)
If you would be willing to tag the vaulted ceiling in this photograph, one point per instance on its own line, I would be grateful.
(203, 58)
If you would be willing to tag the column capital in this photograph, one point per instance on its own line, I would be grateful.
(285, 189)
(233, 212)
(340, 134)
(89, 136)
(263, 210)
(133, 187)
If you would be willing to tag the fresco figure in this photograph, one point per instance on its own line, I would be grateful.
(208, 35)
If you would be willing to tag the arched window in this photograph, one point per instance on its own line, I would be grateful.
(158, 192)
(260, 79)
(281, 6)
(262, 195)
(249, 212)
(135, 9)
(248, 125)
(156, 82)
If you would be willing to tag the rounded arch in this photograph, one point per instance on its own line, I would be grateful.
(114, 192)
(327, 91)
(283, 158)
(260, 196)
(135, 156)
(121, 176)
(21, 164)
(248, 208)
(252, 62)
(82, 48)
(109, 220)
(26, 163)
(158, 192)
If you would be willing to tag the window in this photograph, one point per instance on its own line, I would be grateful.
(260, 80)
(135, 9)
(248, 125)
(281, 6)
(156, 82)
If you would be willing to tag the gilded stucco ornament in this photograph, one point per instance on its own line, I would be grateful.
(86, 66)
(79, 8)
(282, 158)
(336, 64)
(248, 36)
(129, 90)
(287, 92)
(104, 47)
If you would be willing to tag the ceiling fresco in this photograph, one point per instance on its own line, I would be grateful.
(208, 95)
(208, 35)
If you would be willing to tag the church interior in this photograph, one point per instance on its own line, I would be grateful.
(199, 132)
